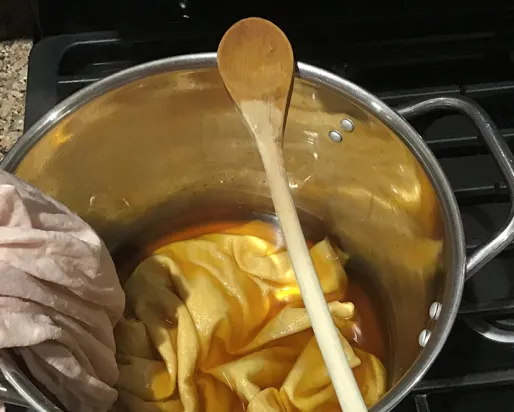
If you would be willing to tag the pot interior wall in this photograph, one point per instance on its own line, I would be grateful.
(158, 148)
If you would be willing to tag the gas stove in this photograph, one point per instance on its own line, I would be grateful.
(400, 55)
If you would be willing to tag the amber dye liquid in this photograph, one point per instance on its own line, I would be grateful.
(370, 332)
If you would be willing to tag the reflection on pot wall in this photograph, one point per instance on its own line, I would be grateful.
(156, 147)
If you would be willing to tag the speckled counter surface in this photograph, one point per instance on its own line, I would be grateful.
(13, 81)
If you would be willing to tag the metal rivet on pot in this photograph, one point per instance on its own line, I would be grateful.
(335, 136)
(435, 310)
(424, 336)
(347, 125)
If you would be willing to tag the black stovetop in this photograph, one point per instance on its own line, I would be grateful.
(400, 57)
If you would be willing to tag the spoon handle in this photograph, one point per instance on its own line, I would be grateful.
(339, 370)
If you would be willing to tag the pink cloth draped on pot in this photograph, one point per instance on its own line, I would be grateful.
(59, 297)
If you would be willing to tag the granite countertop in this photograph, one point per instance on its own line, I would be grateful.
(13, 81)
(16, 24)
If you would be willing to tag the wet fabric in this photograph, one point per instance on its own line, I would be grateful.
(217, 323)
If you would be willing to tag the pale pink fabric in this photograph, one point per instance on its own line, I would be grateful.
(59, 297)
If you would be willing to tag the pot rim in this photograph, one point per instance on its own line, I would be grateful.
(454, 235)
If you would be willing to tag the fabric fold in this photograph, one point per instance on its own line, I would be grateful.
(223, 317)
(60, 297)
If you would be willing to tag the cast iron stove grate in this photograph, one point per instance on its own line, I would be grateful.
(472, 373)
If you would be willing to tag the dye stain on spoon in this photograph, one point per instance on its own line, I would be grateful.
(255, 60)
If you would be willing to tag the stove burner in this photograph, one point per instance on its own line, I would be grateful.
(482, 319)
(492, 332)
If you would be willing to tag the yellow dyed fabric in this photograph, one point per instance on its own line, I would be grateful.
(217, 324)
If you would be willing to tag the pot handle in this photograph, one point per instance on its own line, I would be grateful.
(9, 396)
(501, 154)
(17, 389)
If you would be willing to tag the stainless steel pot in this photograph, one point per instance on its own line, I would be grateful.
(163, 139)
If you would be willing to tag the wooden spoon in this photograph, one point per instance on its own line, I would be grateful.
(256, 63)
